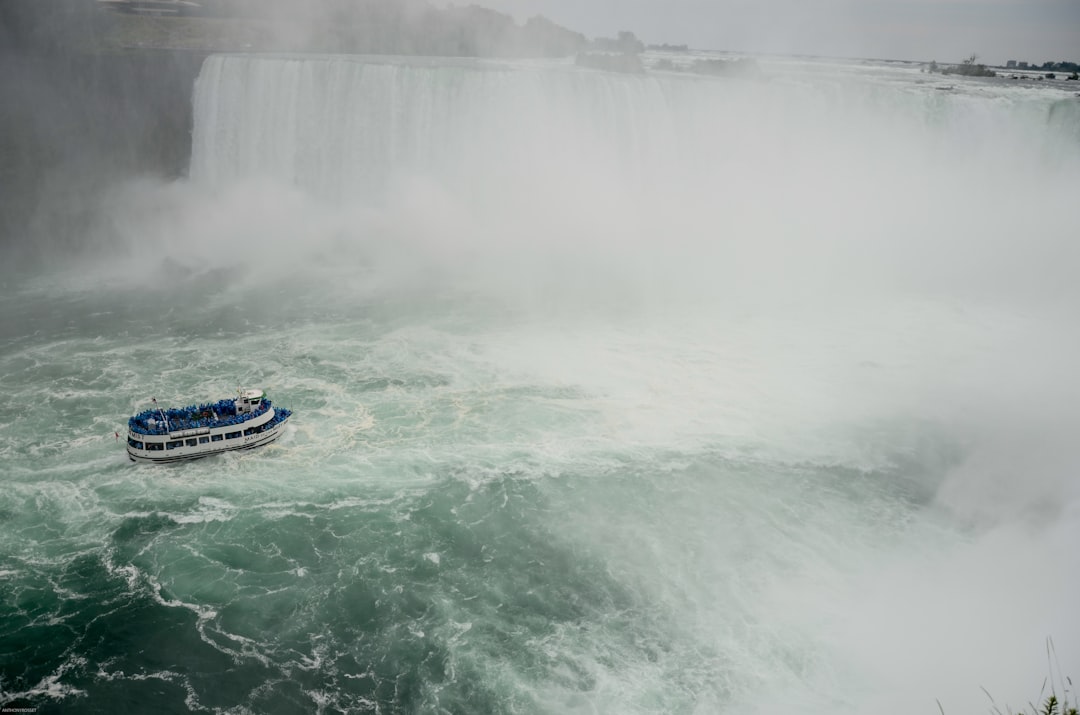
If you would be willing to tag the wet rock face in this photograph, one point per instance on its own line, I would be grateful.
(78, 121)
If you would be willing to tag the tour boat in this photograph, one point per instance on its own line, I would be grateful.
(161, 435)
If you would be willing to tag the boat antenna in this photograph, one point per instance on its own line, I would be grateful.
(161, 412)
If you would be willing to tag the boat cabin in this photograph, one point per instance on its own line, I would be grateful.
(249, 401)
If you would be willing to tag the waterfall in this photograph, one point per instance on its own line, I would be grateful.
(342, 126)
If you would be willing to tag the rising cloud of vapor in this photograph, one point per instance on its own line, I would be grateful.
(879, 257)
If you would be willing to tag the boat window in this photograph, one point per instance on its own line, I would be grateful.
(191, 442)
(133, 443)
(232, 435)
(204, 440)
(155, 446)
(251, 430)
(216, 437)
(174, 445)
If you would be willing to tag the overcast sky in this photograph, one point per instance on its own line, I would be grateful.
(943, 30)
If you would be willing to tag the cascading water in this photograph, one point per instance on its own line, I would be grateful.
(612, 394)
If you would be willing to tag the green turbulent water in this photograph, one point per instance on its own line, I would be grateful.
(451, 524)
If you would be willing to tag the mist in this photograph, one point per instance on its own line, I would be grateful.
(822, 261)
(849, 286)
(797, 189)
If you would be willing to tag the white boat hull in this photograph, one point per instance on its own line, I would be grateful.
(197, 443)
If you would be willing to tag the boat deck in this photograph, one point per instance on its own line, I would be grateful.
(223, 413)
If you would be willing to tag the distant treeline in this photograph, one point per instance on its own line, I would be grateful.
(406, 27)
(1060, 66)
(971, 68)
(410, 27)
(625, 43)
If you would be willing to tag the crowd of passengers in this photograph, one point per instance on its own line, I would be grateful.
(215, 414)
